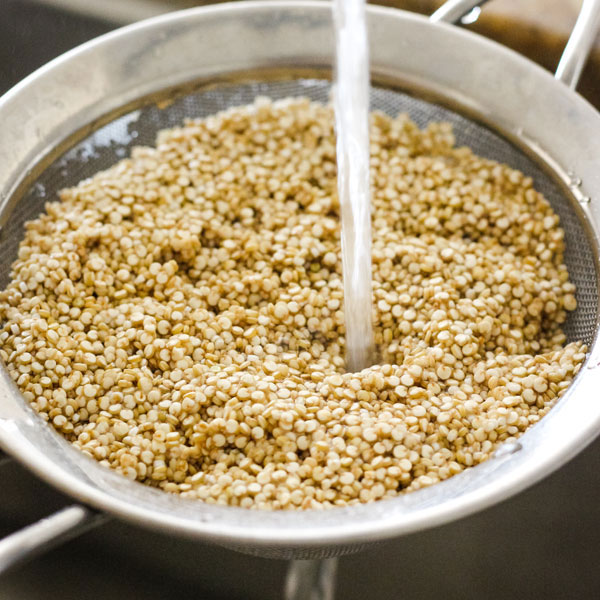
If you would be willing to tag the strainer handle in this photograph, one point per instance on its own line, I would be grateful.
(580, 44)
(51, 531)
(453, 11)
(576, 51)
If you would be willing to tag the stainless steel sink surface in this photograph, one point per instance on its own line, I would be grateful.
(540, 544)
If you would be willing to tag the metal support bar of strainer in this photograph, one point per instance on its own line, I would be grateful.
(313, 579)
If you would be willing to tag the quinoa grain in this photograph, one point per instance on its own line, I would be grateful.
(179, 316)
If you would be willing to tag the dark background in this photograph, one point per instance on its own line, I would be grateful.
(543, 544)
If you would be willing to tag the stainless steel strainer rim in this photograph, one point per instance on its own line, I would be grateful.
(299, 35)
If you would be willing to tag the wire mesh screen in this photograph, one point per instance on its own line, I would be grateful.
(113, 141)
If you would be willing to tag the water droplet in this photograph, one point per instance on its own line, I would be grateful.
(593, 365)
(575, 182)
(585, 200)
(507, 449)
(40, 189)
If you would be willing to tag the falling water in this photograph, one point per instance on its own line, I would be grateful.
(351, 104)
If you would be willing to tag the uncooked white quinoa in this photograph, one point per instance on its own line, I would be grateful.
(178, 317)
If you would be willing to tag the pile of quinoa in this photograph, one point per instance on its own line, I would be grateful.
(179, 317)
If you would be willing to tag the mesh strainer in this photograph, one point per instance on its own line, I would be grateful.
(85, 110)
